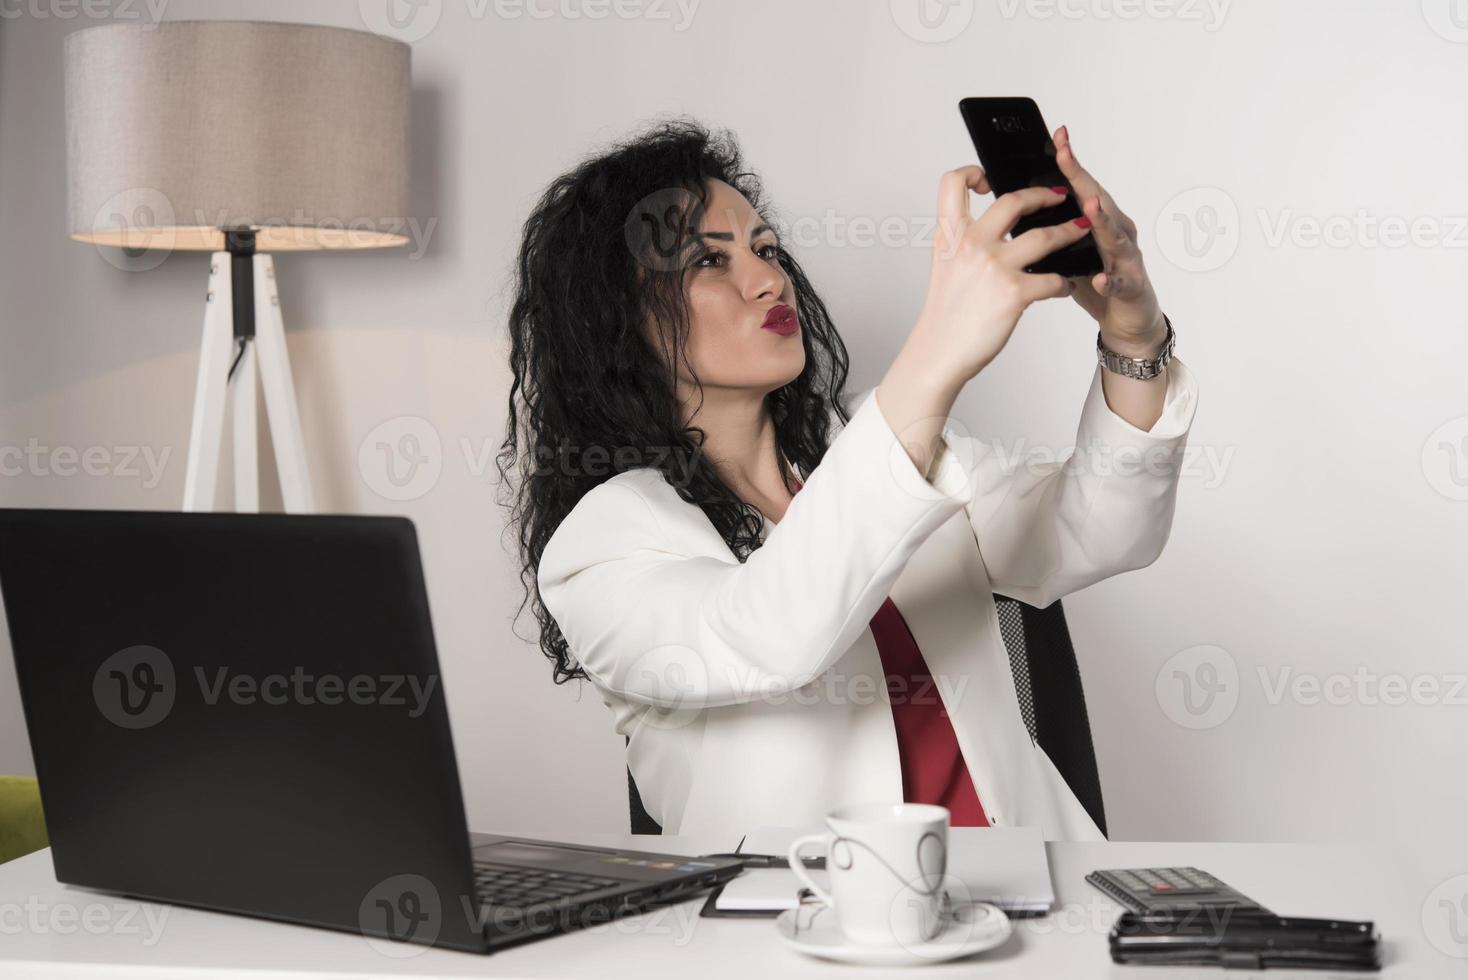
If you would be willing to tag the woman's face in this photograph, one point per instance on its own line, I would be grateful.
(735, 279)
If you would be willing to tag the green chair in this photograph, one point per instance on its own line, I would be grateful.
(22, 827)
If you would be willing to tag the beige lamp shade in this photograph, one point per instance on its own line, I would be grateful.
(176, 131)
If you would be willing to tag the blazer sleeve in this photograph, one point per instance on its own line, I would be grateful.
(1047, 527)
(658, 625)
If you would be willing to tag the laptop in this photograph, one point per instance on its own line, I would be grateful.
(244, 713)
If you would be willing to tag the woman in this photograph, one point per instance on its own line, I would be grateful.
(785, 595)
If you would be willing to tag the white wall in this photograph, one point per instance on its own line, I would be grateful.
(1324, 533)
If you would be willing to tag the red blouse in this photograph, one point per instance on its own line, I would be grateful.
(933, 770)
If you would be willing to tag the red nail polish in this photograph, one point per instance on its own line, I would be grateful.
(1083, 222)
(1060, 190)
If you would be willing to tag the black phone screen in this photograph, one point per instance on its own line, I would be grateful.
(1016, 151)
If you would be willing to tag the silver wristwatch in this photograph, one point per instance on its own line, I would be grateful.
(1141, 368)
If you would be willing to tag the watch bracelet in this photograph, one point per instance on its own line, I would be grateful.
(1141, 368)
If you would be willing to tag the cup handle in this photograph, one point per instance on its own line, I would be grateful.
(798, 866)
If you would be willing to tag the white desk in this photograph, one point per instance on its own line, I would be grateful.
(51, 930)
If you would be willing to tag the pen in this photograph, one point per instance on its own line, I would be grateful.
(769, 860)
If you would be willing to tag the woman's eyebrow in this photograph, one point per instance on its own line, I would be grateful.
(728, 236)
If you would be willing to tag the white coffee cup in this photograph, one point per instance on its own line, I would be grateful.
(886, 863)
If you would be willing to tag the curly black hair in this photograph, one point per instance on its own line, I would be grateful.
(604, 254)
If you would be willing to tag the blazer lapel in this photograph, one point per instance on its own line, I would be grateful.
(944, 594)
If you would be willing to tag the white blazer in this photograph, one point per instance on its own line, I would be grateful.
(754, 694)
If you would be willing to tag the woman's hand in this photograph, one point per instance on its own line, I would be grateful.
(1120, 298)
(978, 288)
(976, 292)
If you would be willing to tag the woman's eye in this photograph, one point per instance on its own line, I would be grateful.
(769, 252)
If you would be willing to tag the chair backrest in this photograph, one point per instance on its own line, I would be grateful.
(1051, 699)
(642, 821)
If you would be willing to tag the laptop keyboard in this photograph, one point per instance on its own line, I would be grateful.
(512, 886)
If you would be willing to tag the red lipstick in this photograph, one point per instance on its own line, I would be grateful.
(781, 319)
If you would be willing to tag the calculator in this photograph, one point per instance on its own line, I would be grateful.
(1170, 890)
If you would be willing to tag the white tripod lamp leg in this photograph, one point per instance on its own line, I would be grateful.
(280, 392)
(207, 429)
(242, 410)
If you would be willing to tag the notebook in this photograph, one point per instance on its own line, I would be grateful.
(1003, 865)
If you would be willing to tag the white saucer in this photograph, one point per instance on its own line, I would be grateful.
(972, 928)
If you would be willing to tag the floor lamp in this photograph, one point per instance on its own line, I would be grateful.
(240, 139)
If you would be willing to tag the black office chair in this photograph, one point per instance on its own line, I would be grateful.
(1051, 700)
(642, 821)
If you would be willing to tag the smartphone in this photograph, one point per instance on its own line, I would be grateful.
(1016, 152)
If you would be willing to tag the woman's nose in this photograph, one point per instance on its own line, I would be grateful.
(765, 281)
